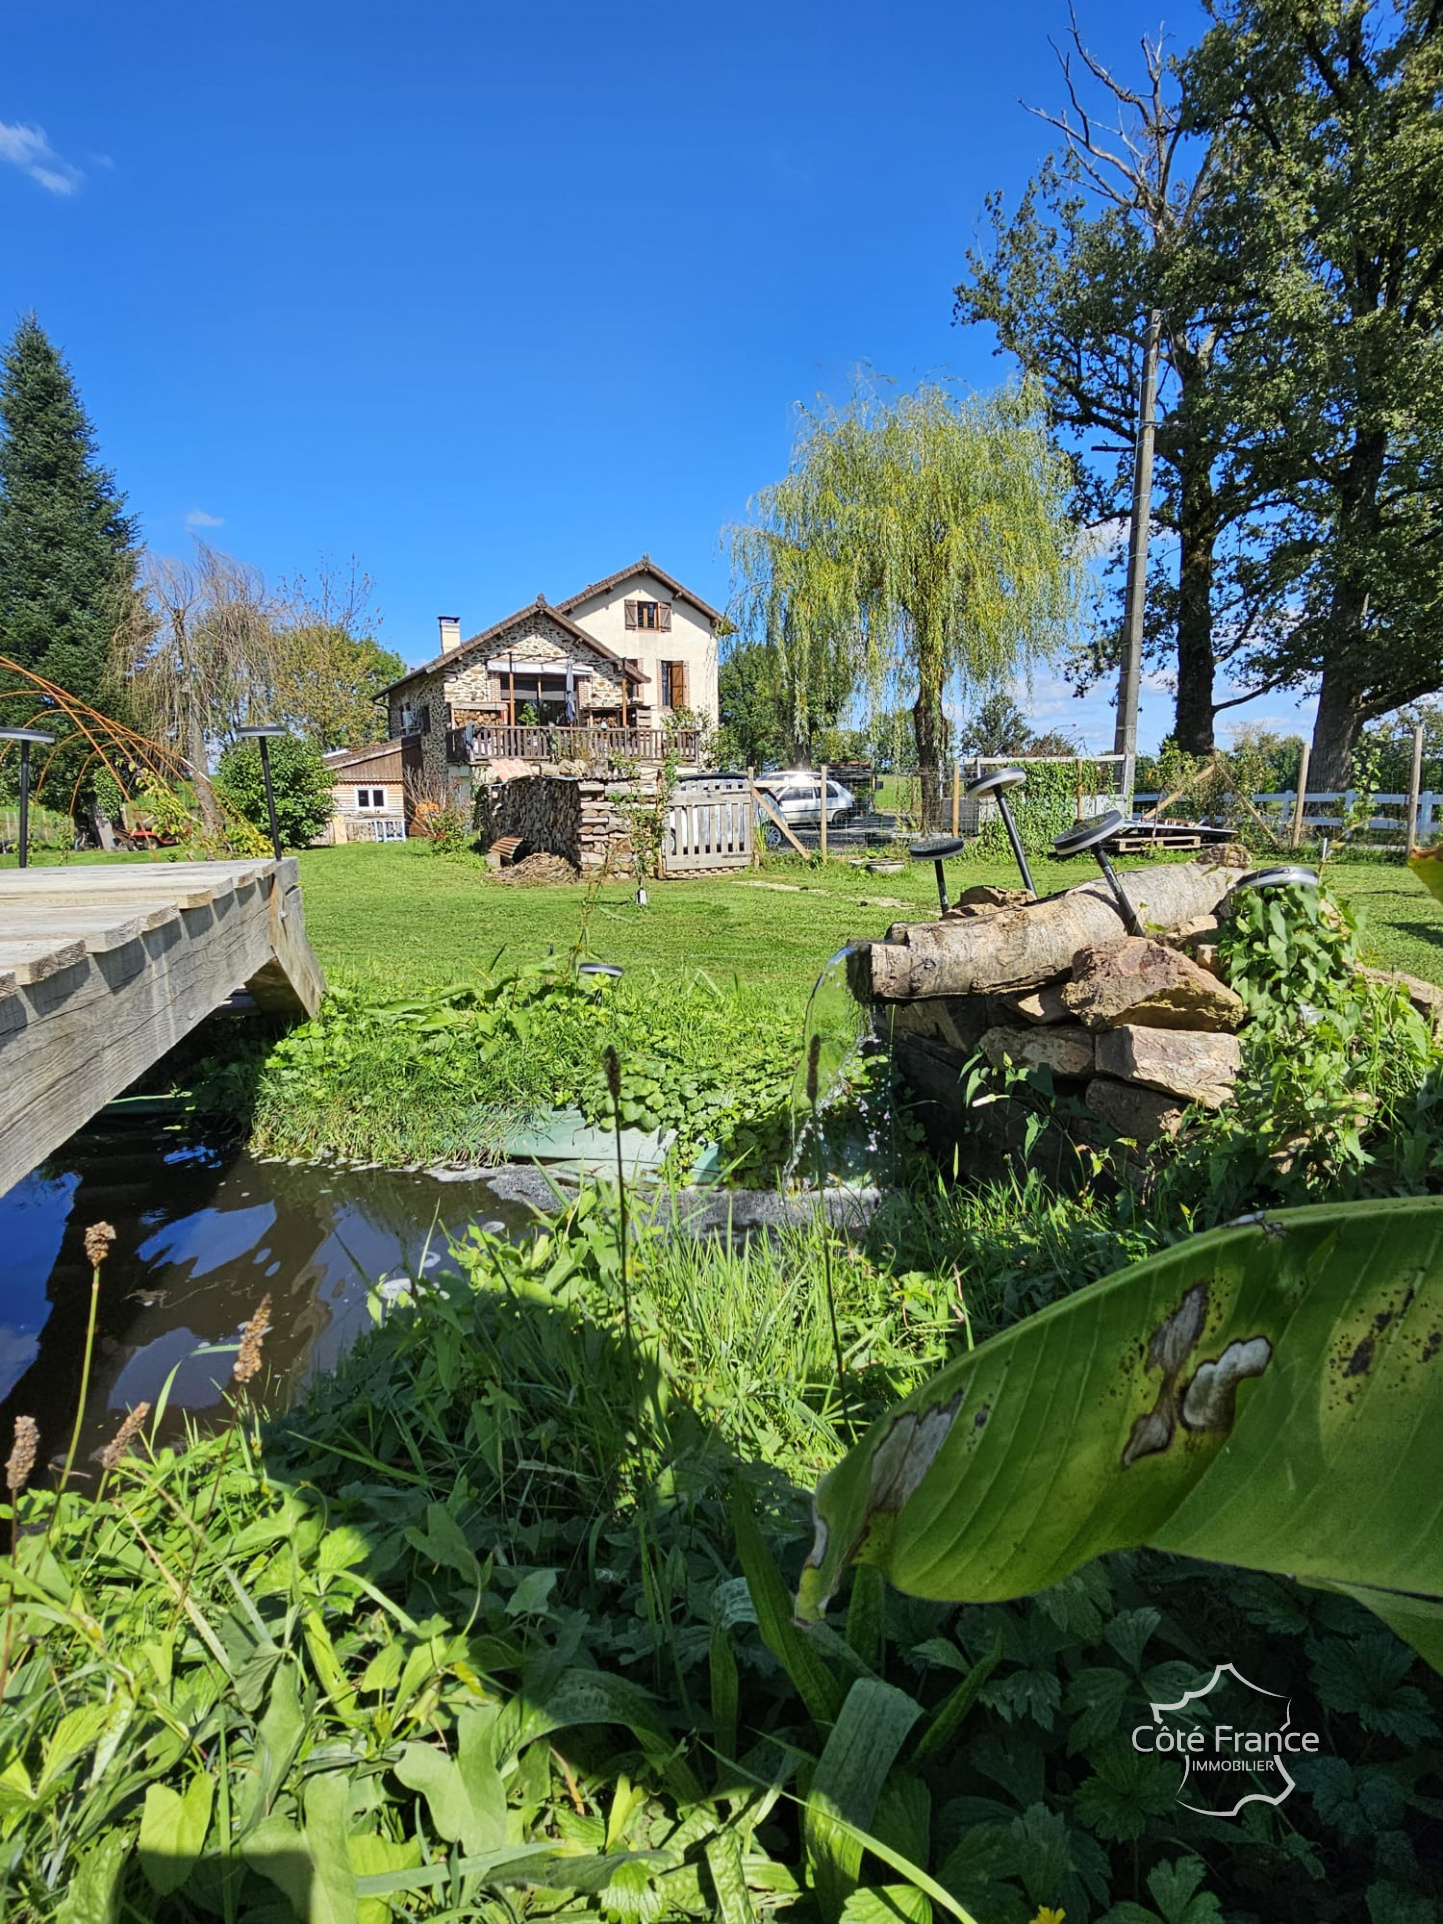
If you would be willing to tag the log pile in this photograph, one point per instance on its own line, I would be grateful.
(1130, 1025)
(582, 821)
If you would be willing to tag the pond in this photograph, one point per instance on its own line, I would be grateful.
(203, 1232)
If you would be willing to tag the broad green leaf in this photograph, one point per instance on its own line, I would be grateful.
(1261, 1395)
(728, 1877)
(278, 1739)
(445, 1544)
(819, 1690)
(75, 1734)
(372, 1855)
(465, 1795)
(172, 1832)
(537, 1865)
(276, 1850)
(892, 1904)
(725, 1691)
(333, 1885)
(93, 1894)
(871, 1728)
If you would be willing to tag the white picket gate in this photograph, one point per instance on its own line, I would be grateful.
(709, 827)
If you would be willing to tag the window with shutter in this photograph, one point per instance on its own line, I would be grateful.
(652, 615)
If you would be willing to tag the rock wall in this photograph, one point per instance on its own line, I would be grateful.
(1133, 1028)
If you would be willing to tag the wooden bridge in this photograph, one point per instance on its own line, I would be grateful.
(104, 968)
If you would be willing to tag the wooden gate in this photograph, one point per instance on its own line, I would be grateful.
(709, 827)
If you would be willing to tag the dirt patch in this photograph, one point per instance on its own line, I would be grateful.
(536, 871)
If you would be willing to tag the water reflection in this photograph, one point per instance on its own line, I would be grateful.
(202, 1234)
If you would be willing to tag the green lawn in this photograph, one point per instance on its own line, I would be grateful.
(400, 912)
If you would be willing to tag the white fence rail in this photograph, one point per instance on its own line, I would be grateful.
(709, 826)
(1330, 809)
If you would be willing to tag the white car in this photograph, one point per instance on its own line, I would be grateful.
(797, 798)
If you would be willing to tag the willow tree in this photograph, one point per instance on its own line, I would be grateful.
(919, 542)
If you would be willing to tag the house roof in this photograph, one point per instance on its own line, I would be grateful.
(646, 566)
(540, 606)
(340, 758)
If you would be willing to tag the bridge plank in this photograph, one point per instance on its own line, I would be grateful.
(99, 925)
(68, 1046)
(36, 960)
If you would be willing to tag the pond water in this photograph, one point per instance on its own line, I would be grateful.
(203, 1232)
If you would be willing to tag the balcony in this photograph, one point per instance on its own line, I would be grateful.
(482, 742)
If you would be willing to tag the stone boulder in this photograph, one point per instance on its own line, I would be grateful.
(1038, 1005)
(985, 899)
(1065, 1051)
(1141, 983)
(1142, 1115)
(956, 1021)
(1197, 1067)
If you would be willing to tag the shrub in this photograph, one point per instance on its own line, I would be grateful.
(301, 781)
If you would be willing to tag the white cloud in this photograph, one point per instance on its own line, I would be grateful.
(198, 518)
(28, 149)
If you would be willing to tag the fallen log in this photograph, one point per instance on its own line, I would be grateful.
(1024, 947)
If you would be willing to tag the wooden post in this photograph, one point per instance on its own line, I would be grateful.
(824, 811)
(781, 821)
(1414, 785)
(752, 805)
(1300, 803)
(956, 799)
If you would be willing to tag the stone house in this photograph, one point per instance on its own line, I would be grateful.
(594, 679)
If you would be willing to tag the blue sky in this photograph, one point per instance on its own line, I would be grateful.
(497, 298)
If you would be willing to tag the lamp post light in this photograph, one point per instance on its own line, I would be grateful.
(264, 734)
(1091, 836)
(25, 737)
(997, 783)
(936, 851)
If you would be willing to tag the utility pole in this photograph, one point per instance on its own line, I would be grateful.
(1130, 676)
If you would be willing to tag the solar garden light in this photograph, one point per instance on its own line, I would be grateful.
(264, 734)
(936, 852)
(25, 736)
(1289, 876)
(1093, 835)
(598, 972)
(998, 783)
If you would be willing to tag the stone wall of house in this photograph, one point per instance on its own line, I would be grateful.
(542, 642)
(585, 822)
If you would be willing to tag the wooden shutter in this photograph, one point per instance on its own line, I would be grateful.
(425, 718)
(630, 614)
(663, 616)
(683, 679)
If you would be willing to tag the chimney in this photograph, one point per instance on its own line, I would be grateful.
(450, 626)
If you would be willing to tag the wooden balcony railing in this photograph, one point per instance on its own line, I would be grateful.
(480, 742)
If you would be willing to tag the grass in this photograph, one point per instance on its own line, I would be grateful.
(398, 912)
(395, 914)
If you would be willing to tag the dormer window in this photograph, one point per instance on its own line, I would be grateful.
(654, 615)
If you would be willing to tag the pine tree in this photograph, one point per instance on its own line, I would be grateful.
(67, 547)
